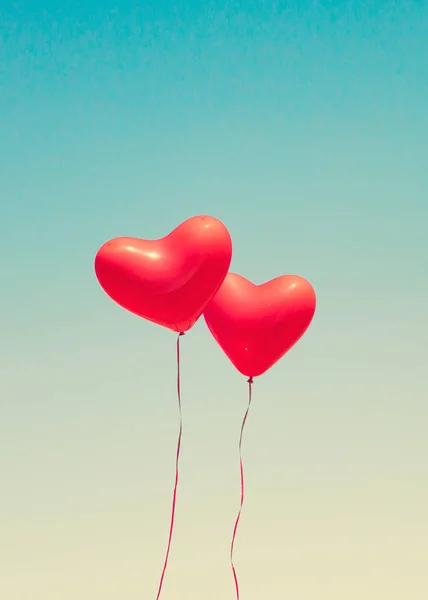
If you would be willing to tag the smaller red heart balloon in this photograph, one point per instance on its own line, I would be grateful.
(255, 325)
(170, 280)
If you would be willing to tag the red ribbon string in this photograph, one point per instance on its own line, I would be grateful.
(241, 468)
(177, 461)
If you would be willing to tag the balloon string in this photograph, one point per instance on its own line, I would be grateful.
(177, 460)
(241, 468)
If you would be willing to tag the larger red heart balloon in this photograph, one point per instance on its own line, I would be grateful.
(255, 325)
(170, 280)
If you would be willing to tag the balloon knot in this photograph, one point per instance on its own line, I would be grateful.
(181, 333)
(250, 380)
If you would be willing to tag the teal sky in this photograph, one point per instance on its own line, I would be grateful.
(303, 126)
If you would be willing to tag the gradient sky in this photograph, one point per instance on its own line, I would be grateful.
(303, 126)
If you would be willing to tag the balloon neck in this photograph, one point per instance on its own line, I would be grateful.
(250, 380)
(181, 333)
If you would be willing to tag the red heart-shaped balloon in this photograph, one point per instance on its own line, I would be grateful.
(171, 280)
(255, 325)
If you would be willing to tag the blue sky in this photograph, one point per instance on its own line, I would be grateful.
(303, 127)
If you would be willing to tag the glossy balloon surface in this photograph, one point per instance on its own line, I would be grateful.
(170, 280)
(256, 325)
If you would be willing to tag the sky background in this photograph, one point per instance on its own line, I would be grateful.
(303, 126)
